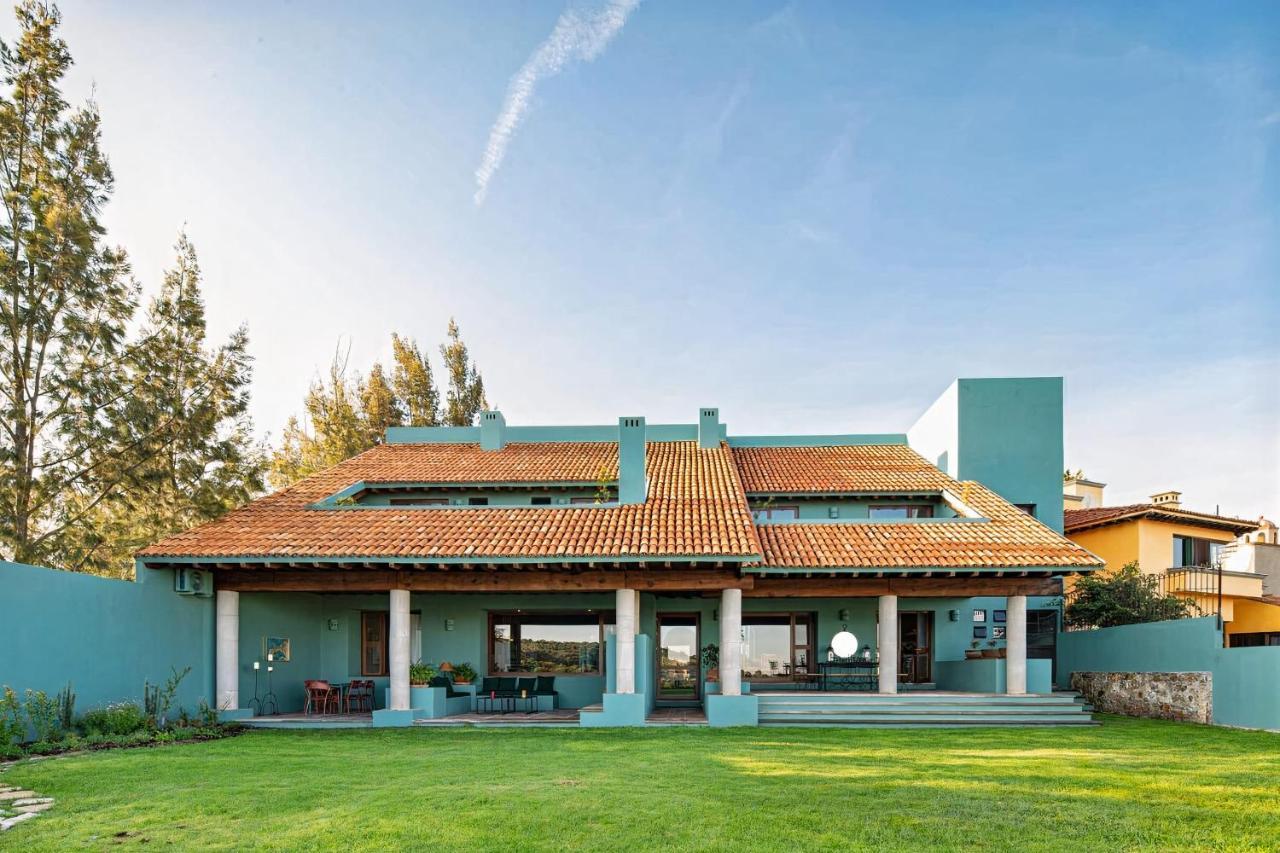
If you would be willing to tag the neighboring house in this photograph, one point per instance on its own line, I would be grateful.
(609, 556)
(1212, 559)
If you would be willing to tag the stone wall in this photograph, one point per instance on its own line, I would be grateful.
(1185, 696)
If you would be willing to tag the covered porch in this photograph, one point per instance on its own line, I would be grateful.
(618, 645)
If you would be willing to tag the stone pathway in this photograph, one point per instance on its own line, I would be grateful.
(17, 805)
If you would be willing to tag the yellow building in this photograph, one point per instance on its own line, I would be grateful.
(1187, 550)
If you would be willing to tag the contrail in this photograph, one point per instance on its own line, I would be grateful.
(580, 34)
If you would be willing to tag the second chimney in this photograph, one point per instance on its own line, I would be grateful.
(493, 431)
(631, 473)
(708, 428)
(1168, 500)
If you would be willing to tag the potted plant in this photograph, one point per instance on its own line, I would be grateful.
(420, 674)
(974, 651)
(711, 661)
(993, 650)
(464, 673)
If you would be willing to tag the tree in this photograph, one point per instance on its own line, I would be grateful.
(378, 406)
(465, 399)
(1126, 597)
(413, 383)
(338, 431)
(187, 417)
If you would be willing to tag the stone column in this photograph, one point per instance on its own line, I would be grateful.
(1015, 636)
(398, 650)
(227, 642)
(731, 642)
(887, 641)
(626, 616)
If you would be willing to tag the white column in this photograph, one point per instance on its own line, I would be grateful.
(398, 650)
(731, 642)
(227, 643)
(887, 640)
(1015, 634)
(625, 620)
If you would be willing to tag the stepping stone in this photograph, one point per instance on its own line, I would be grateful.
(10, 822)
(33, 808)
(31, 801)
(14, 794)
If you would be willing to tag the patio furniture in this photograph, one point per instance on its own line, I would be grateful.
(495, 687)
(450, 693)
(359, 696)
(545, 685)
(851, 673)
(322, 697)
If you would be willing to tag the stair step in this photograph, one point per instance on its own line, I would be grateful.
(932, 724)
(896, 719)
(863, 710)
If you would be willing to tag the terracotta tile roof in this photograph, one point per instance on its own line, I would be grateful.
(1010, 539)
(695, 508)
(1083, 519)
(848, 468)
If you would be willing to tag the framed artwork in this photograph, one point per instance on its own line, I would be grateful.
(979, 632)
(979, 616)
(997, 633)
(276, 649)
(997, 615)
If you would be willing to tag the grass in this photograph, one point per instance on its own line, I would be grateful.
(1127, 784)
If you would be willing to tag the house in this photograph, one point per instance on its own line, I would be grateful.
(609, 557)
(1221, 564)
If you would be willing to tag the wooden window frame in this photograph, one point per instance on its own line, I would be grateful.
(811, 647)
(383, 617)
(604, 617)
(871, 509)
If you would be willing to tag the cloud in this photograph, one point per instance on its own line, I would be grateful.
(580, 35)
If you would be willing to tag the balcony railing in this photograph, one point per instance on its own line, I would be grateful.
(1199, 586)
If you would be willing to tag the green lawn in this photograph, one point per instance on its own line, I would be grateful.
(1126, 784)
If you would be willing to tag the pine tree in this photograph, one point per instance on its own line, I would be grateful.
(465, 399)
(413, 383)
(188, 414)
(379, 406)
(338, 431)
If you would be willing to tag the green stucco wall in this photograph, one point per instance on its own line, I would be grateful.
(104, 636)
(1246, 681)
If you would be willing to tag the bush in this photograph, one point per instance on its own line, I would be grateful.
(1124, 598)
(13, 729)
(42, 711)
(122, 718)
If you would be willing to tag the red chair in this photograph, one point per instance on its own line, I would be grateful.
(322, 698)
(360, 696)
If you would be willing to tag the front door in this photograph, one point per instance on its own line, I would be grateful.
(915, 640)
(679, 678)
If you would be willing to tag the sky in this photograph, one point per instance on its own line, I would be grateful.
(812, 215)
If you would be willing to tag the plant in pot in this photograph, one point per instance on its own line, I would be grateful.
(711, 661)
(993, 650)
(420, 674)
(464, 673)
(974, 651)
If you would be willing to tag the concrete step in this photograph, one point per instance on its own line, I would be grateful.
(893, 719)
(968, 723)
(935, 709)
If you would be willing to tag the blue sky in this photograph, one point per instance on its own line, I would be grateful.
(811, 215)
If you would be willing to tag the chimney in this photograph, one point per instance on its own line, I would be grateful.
(1081, 493)
(631, 447)
(1167, 500)
(493, 431)
(708, 428)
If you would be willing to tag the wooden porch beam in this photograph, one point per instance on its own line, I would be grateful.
(924, 587)
(679, 580)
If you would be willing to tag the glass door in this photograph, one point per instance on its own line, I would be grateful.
(915, 641)
(679, 675)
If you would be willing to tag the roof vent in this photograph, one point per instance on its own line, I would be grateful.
(493, 431)
(708, 428)
(631, 471)
(1167, 500)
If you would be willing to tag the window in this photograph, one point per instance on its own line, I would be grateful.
(775, 513)
(418, 501)
(775, 645)
(893, 513)
(477, 501)
(1189, 551)
(542, 501)
(373, 642)
(1029, 509)
(545, 643)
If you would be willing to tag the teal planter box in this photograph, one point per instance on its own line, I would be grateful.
(710, 688)
(620, 709)
(724, 711)
(987, 675)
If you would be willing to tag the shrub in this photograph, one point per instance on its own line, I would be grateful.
(67, 709)
(13, 729)
(1124, 598)
(157, 700)
(121, 718)
(42, 711)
